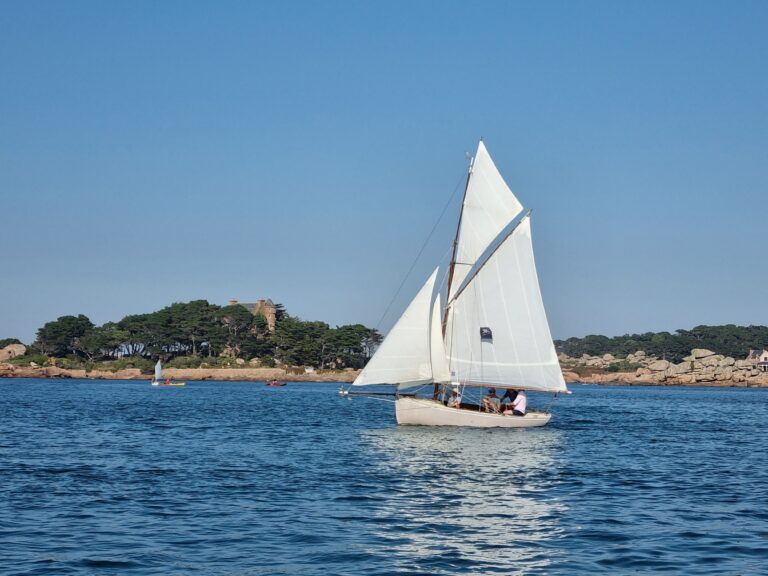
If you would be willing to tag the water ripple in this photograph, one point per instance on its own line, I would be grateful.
(233, 478)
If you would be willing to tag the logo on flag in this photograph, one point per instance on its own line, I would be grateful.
(485, 334)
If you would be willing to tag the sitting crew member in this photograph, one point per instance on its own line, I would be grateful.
(519, 405)
(491, 403)
(510, 394)
(455, 400)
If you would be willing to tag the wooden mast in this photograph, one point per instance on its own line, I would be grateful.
(453, 259)
(452, 265)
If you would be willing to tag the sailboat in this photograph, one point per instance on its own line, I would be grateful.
(157, 379)
(492, 331)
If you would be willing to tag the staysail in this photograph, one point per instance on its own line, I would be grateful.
(440, 371)
(404, 357)
(489, 206)
(498, 332)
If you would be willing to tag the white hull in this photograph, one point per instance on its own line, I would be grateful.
(425, 412)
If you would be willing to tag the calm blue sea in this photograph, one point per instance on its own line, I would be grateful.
(230, 478)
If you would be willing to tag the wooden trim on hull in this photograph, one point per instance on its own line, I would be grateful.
(420, 411)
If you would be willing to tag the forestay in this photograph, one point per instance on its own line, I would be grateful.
(489, 206)
(498, 332)
(404, 357)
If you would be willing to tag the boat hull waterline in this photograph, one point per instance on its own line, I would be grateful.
(420, 411)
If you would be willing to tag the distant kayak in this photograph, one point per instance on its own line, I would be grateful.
(167, 383)
(275, 383)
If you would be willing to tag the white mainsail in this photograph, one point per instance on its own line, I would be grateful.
(404, 357)
(498, 332)
(158, 371)
(489, 206)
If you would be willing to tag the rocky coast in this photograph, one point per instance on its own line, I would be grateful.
(701, 368)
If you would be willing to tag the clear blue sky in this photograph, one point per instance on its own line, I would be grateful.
(153, 152)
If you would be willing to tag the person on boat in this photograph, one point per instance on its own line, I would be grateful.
(491, 403)
(455, 400)
(509, 394)
(519, 405)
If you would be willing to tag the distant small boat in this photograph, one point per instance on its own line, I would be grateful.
(275, 383)
(157, 379)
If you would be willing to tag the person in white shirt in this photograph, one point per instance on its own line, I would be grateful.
(520, 404)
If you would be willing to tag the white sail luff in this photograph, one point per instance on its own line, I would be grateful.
(489, 206)
(404, 357)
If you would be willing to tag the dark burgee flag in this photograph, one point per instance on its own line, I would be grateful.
(485, 334)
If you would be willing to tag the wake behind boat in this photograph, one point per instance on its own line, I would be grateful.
(157, 379)
(492, 332)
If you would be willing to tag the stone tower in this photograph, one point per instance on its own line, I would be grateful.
(266, 308)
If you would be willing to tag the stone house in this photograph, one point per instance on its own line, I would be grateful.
(760, 359)
(266, 308)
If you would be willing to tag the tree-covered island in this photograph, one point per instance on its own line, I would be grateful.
(197, 333)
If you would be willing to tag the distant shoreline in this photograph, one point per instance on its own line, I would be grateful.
(346, 376)
(179, 374)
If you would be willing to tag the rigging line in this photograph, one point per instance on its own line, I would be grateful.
(551, 401)
(381, 399)
(421, 251)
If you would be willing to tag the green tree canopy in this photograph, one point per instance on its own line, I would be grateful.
(728, 340)
(233, 329)
(59, 337)
(101, 341)
(199, 328)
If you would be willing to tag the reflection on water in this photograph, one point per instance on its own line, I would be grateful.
(470, 497)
